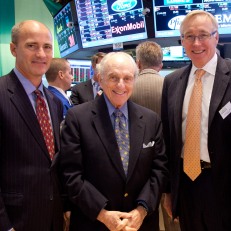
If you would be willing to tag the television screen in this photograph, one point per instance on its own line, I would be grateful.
(65, 30)
(168, 15)
(174, 53)
(80, 69)
(104, 22)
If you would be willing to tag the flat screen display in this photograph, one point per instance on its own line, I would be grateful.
(174, 53)
(65, 30)
(168, 15)
(104, 22)
(80, 69)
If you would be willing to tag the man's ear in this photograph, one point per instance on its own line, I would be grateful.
(13, 49)
(138, 64)
(60, 73)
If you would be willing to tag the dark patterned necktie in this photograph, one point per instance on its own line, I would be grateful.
(122, 137)
(44, 122)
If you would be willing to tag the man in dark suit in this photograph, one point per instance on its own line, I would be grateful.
(113, 188)
(29, 188)
(59, 78)
(199, 194)
(87, 91)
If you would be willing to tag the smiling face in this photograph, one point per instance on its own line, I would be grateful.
(117, 79)
(33, 50)
(200, 52)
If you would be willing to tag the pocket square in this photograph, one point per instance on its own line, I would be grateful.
(150, 144)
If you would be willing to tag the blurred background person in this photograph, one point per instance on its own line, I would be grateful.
(148, 85)
(113, 159)
(87, 91)
(147, 92)
(59, 78)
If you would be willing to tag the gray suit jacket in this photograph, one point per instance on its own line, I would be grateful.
(29, 188)
(82, 92)
(91, 166)
(147, 91)
(219, 133)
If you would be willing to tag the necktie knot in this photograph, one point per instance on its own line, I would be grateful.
(199, 73)
(118, 113)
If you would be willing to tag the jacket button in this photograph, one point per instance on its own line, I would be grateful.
(126, 194)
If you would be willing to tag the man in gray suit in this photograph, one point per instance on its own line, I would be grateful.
(88, 90)
(148, 85)
(29, 188)
(148, 91)
(199, 195)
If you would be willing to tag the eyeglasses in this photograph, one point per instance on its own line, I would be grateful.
(201, 37)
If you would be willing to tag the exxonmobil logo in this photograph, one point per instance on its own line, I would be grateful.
(175, 22)
(129, 26)
(123, 5)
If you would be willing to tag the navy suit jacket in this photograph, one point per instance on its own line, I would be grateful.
(219, 133)
(82, 92)
(65, 102)
(92, 170)
(29, 187)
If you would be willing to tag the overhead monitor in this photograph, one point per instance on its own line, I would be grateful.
(168, 15)
(104, 22)
(80, 69)
(66, 30)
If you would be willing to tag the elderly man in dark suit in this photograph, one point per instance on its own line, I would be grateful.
(197, 128)
(113, 159)
(29, 188)
(88, 90)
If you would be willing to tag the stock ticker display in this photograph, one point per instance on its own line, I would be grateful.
(104, 22)
(168, 15)
(66, 31)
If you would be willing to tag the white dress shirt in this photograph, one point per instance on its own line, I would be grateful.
(207, 82)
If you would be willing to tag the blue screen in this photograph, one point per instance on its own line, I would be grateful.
(168, 15)
(104, 22)
(66, 31)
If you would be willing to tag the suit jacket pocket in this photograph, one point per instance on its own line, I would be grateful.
(12, 199)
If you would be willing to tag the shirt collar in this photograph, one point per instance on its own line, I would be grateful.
(27, 85)
(209, 67)
(111, 108)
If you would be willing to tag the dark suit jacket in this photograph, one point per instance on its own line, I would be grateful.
(65, 102)
(82, 92)
(29, 194)
(92, 169)
(219, 132)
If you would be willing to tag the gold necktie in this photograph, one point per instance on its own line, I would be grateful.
(192, 165)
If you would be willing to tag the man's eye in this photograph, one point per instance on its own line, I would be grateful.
(189, 37)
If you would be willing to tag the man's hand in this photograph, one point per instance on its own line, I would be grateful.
(113, 220)
(168, 204)
(136, 220)
(66, 217)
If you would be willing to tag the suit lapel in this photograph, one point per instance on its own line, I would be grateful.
(136, 133)
(180, 87)
(89, 90)
(103, 125)
(219, 87)
(54, 116)
(23, 105)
